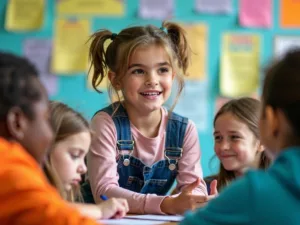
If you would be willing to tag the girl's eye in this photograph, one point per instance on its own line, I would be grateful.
(138, 71)
(234, 137)
(163, 70)
(74, 156)
(218, 138)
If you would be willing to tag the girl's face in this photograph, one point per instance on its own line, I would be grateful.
(235, 144)
(67, 158)
(147, 83)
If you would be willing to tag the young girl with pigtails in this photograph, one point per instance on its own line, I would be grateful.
(139, 147)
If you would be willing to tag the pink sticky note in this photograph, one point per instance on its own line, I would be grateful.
(255, 13)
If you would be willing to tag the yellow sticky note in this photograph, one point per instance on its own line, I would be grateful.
(197, 39)
(239, 72)
(70, 49)
(91, 7)
(24, 15)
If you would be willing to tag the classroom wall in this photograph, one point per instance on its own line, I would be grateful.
(72, 89)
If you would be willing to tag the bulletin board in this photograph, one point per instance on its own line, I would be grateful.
(72, 89)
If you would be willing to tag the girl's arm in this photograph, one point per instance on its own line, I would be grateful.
(112, 208)
(189, 165)
(102, 167)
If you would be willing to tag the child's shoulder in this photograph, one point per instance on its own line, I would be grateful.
(13, 152)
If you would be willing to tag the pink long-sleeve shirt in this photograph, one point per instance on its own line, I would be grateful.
(102, 162)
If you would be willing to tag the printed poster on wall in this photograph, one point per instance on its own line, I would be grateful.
(23, 15)
(283, 44)
(90, 7)
(197, 39)
(240, 63)
(70, 50)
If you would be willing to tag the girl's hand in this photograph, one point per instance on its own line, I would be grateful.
(185, 201)
(213, 188)
(113, 208)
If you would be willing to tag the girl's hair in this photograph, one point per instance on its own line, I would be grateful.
(65, 122)
(281, 89)
(116, 56)
(247, 110)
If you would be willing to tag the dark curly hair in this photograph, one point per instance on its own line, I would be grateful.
(17, 86)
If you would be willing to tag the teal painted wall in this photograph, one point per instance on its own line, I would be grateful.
(73, 91)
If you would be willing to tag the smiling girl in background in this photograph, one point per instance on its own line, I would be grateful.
(236, 137)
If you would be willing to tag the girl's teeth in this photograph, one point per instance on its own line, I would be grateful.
(156, 93)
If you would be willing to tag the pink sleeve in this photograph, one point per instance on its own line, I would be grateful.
(102, 167)
(189, 167)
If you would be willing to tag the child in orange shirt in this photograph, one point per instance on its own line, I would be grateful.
(25, 134)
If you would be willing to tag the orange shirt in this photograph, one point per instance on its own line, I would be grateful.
(25, 195)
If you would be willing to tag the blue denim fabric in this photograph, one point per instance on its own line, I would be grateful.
(134, 175)
(138, 177)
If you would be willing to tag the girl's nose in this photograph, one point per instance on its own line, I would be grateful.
(225, 145)
(151, 80)
(82, 168)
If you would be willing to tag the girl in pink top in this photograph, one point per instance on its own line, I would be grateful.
(139, 148)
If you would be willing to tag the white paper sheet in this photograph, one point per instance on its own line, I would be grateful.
(285, 43)
(130, 222)
(175, 218)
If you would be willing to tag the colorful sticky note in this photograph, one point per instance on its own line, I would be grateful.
(70, 51)
(239, 72)
(197, 39)
(22, 15)
(255, 13)
(290, 13)
(214, 6)
(156, 9)
(38, 51)
(91, 7)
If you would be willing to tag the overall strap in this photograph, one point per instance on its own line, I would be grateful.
(122, 124)
(176, 128)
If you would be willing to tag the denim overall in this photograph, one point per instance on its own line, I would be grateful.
(134, 175)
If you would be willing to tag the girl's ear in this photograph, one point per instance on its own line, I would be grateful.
(260, 148)
(112, 79)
